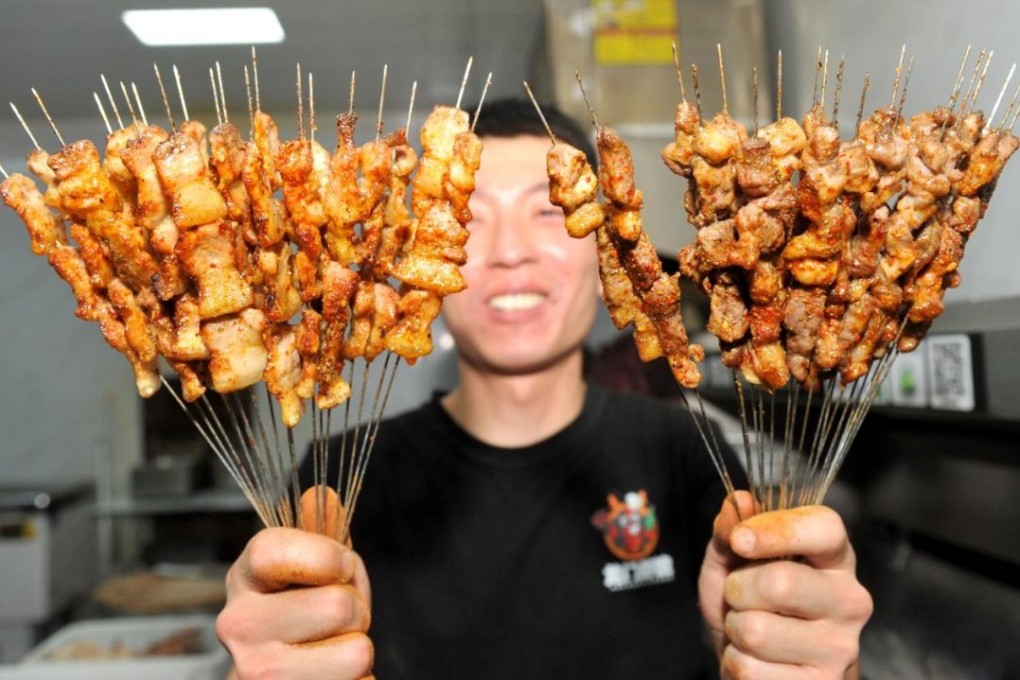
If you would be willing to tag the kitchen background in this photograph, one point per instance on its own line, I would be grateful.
(930, 486)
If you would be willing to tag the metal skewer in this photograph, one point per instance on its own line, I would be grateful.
(541, 115)
(113, 102)
(463, 81)
(216, 97)
(311, 110)
(481, 99)
(49, 119)
(410, 106)
(223, 94)
(138, 103)
(24, 126)
(679, 72)
(180, 93)
(102, 112)
(166, 102)
(382, 98)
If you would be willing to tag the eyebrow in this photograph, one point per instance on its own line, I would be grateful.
(540, 186)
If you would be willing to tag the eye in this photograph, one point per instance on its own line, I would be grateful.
(539, 209)
(544, 210)
(481, 215)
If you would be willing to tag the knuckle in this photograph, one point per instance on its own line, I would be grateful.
(748, 631)
(735, 665)
(754, 631)
(826, 522)
(780, 581)
(340, 603)
(733, 589)
(865, 604)
(858, 605)
(360, 653)
(831, 518)
(228, 626)
(233, 627)
(225, 627)
(261, 551)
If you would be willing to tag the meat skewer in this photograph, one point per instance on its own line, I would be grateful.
(823, 258)
(206, 249)
(635, 289)
(261, 260)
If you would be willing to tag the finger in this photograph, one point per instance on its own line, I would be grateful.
(779, 639)
(320, 511)
(738, 665)
(280, 557)
(353, 652)
(294, 616)
(815, 533)
(348, 657)
(786, 588)
(325, 612)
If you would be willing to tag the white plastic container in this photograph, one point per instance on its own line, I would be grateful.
(136, 633)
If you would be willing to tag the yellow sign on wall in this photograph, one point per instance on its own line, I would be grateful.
(634, 32)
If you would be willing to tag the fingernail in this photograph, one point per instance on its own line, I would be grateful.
(743, 541)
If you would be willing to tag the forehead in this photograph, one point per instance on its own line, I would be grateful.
(509, 162)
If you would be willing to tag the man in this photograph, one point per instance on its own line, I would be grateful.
(528, 525)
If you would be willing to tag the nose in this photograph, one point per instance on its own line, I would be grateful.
(513, 239)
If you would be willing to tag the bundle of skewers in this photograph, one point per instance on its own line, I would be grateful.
(823, 258)
(267, 278)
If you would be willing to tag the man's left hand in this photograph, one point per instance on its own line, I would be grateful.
(780, 594)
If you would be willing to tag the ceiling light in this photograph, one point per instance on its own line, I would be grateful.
(213, 26)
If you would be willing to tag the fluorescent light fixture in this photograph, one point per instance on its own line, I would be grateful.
(211, 26)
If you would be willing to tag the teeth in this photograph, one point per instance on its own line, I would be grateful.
(516, 301)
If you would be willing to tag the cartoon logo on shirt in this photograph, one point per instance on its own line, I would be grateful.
(629, 527)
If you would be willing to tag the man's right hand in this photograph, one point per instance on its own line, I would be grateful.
(298, 603)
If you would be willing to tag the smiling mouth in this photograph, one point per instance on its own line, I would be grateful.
(513, 302)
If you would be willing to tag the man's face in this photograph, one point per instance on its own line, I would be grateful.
(532, 289)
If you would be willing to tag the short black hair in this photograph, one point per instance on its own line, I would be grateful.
(513, 116)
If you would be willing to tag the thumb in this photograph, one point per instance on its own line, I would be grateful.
(736, 508)
(320, 511)
(719, 561)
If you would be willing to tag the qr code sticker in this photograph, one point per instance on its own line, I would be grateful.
(951, 372)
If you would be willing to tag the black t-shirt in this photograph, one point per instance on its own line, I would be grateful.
(576, 557)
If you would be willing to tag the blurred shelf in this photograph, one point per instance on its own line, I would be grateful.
(200, 501)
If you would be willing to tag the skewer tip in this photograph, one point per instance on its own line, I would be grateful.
(481, 98)
(49, 118)
(538, 109)
(24, 125)
(463, 82)
(410, 106)
(587, 101)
